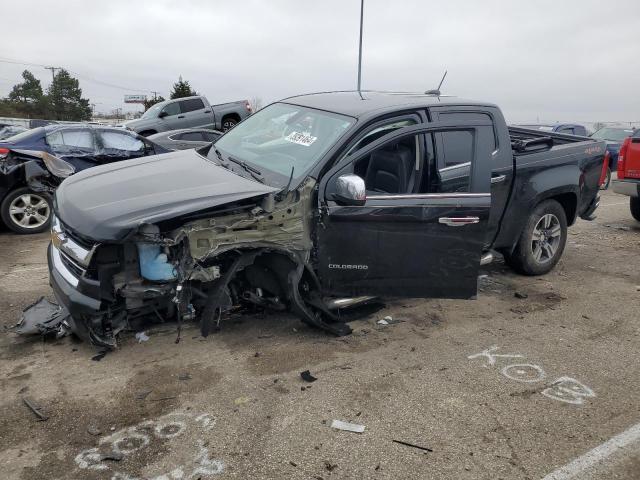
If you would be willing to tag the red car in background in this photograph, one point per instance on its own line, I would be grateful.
(628, 182)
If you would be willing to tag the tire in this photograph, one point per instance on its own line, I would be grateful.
(607, 180)
(547, 222)
(25, 211)
(634, 205)
(228, 123)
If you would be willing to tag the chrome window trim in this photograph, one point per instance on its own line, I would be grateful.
(428, 196)
(61, 268)
(453, 167)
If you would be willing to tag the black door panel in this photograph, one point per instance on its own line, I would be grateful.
(407, 244)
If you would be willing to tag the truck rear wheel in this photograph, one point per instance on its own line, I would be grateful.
(634, 204)
(542, 241)
(228, 123)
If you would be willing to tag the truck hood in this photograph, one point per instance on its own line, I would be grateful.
(106, 203)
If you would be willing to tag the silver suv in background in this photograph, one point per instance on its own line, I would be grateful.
(190, 112)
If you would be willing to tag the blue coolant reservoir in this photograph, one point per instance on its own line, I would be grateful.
(154, 265)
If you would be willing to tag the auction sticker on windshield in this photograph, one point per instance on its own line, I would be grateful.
(301, 138)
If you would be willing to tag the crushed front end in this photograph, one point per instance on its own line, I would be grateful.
(193, 268)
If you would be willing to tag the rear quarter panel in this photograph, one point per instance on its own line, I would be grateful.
(570, 169)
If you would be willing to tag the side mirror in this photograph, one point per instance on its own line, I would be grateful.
(163, 114)
(350, 190)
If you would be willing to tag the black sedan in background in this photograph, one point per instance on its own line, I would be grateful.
(186, 138)
(33, 164)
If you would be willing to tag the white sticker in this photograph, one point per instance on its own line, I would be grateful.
(301, 138)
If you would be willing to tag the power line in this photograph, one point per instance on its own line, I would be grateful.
(84, 77)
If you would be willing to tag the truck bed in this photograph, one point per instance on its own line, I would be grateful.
(529, 137)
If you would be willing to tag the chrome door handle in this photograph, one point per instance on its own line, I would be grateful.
(498, 179)
(458, 221)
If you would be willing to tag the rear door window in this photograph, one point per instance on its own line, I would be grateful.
(115, 142)
(191, 105)
(455, 151)
(72, 142)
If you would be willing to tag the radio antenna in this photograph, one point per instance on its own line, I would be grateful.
(437, 90)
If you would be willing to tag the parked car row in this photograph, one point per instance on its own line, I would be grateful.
(35, 162)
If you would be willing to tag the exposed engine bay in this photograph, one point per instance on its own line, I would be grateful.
(250, 253)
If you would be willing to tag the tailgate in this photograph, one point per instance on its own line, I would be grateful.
(630, 164)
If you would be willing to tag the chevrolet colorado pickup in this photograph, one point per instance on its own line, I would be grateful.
(313, 204)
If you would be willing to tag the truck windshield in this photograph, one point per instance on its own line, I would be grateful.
(613, 134)
(153, 111)
(282, 136)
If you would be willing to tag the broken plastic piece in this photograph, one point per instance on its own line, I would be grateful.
(307, 377)
(413, 445)
(42, 318)
(348, 427)
(142, 337)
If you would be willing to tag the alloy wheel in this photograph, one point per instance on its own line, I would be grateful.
(546, 238)
(29, 211)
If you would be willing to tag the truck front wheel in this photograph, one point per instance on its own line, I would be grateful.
(542, 241)
(634, 204)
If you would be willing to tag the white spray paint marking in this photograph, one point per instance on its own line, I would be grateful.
(491, 357)
(564, 389)
(132, 439)
(568, 390)
(583, 464)
(523, 372)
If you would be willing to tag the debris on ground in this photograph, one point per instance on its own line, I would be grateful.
(142, 337)
(241, 400)
(330, 466)
(388, 320)
(100, 355)
(44, 318)
(520, 295)
(93, 430)
(347, 427)
(143, 394)
(113, 455)
(185, 376)
(307, 377)
(413, 445)
(35, 408)
(624, 228)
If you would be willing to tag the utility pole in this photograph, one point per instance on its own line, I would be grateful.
(53, 72)
(155, 95)
(360, 48)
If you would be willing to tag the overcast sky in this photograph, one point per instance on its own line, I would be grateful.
(569, 60)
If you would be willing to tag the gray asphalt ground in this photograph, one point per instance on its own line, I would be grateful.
(233, 405)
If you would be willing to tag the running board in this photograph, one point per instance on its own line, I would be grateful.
(336, 303)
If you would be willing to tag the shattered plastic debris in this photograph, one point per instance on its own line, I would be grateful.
(347, 427)
(388, 320)
(142, 337)
(307, 377)
(36, 409)
(42, 318)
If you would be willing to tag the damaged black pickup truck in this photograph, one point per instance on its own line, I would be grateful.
(315, 203)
